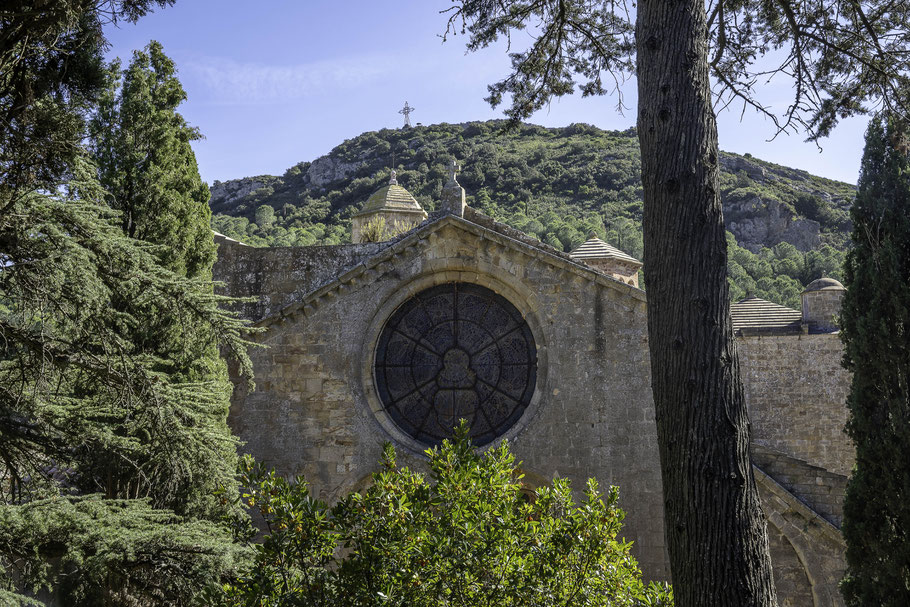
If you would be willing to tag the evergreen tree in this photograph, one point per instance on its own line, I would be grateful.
(85, 408)
(109, 443)
(142, 148)
(875, 322)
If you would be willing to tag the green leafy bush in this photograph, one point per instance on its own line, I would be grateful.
(471, 533)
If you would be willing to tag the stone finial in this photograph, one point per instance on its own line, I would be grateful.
(453, 196)
(392, 178)
(453, 169)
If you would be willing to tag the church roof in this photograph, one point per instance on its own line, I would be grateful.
(474, 222)
(595, 248)
(391, 197)
(756, 315)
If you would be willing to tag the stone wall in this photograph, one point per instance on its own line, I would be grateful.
(821, 490)
(315, 412)
(817, 544)
(278, 276)
(821, 309)
(796, 392)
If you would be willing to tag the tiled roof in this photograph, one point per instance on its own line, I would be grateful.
(595, 248)
(390, 197)
(754, 315)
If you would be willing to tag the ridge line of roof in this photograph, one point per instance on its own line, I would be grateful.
(421, 233)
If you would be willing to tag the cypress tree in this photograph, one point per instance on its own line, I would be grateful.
(876, 332)
(145, 162)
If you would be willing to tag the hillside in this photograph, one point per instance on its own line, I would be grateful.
(787, 227)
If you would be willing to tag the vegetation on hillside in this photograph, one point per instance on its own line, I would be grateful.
(558, 184)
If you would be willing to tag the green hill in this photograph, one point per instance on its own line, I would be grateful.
(787, 227)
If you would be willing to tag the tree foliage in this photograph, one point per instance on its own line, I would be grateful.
(83, 407)
(51, 69)
(875, 321)
(838, 55)
(556, 184)
(110, 444)
(470, 534)
(141, 144)
(93, 551)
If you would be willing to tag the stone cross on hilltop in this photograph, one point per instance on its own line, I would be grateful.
(406, 110)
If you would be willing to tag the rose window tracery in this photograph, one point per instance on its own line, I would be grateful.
(455, 351)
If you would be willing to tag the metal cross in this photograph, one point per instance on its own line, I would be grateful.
(406, 110)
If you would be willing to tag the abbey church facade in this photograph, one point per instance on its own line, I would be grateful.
(462, 317)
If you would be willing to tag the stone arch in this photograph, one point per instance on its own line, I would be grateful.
(816, 543)
(790, 579)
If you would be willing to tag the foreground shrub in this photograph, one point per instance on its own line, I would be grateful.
(468, 534)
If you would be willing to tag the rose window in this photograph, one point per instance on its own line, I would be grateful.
(456, 351)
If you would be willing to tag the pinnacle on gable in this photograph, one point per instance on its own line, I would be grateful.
(453, 195)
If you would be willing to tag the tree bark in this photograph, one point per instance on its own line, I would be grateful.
(714, 525)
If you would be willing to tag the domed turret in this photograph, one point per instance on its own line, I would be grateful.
(821, 305)
(389, 211)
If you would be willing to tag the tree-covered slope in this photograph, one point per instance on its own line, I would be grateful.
(787, 227)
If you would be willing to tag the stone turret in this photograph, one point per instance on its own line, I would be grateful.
(611, 261)
(453, 197)
(821, 305)
(389, 211)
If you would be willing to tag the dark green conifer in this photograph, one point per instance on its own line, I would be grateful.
(142, 148)
(876, 332)
(110, 439)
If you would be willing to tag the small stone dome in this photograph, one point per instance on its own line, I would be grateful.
(393, 207)
(824, 284)
(821, 305)
(391, 197)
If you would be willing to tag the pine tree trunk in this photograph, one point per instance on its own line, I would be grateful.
(715, 528)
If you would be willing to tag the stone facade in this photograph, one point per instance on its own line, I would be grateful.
(796, 392)
(315, 410)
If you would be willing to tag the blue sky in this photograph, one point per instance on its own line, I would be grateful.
(276, 82)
